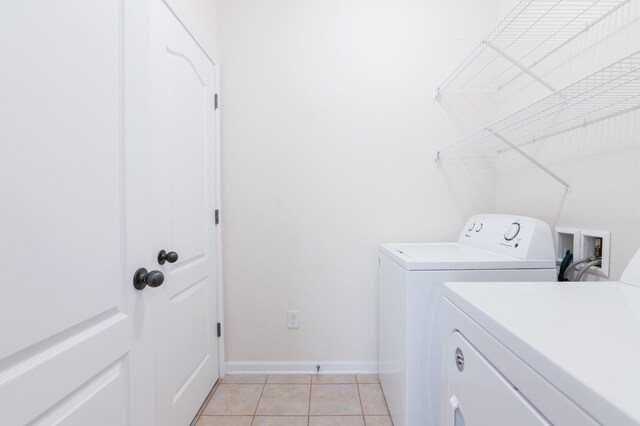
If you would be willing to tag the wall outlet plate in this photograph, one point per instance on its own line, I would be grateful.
(293, 319)
(587, 242)
(568, 239)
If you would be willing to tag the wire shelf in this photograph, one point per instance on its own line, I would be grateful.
(531, 32)
(609, 92)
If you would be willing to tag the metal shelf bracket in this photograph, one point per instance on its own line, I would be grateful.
(520, 66)
(531, 159)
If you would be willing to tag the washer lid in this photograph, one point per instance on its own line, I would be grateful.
(456, 256)
(582, 337)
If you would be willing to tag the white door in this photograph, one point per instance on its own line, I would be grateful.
(75, 338)
(183, 118)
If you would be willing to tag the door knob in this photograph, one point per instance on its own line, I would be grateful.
(171, 257)
(143, 278)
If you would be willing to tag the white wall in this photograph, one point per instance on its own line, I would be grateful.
(328, 132)
(600, 161)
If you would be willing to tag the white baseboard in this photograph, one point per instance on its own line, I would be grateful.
(276, 367)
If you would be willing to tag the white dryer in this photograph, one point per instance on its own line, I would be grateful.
(410, 280)
(542, 353)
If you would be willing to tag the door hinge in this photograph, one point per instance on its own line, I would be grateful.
(215, 100)
(217, 216)
(219, 330)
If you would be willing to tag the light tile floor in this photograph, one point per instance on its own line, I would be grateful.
(295, 400)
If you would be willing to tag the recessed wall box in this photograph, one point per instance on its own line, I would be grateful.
(568, 239)
(594, 243)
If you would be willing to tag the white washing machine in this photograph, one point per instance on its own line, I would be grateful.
(542, 353)
(410, 280)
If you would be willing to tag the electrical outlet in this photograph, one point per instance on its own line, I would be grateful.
(293, 319)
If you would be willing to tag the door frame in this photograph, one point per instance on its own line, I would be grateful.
(189, 27)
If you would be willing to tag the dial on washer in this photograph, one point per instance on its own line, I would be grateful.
(512, 232)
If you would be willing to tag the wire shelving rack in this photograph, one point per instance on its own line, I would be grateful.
(530, 33)
(611, 91)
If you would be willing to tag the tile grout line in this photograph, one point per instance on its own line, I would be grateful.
(385, 402)
(309, 409)
(200, 412)
(259, 399)
(310, 392)
(360, 399)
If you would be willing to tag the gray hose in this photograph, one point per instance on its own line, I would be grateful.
(597, 262)
(576, 263)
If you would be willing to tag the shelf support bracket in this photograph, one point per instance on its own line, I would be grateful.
(531, 159)
(521, 67)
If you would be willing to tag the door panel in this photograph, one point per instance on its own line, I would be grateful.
(185, 152)
(94, 400)
(192, 334)
(67, 348)
(186, 105)
(40, 383)
(55, 207)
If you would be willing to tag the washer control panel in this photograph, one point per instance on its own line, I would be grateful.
(518, 236)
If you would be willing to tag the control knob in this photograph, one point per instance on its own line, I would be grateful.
(512, 232)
